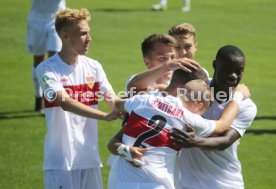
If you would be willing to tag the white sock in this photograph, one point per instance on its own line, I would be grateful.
(38, 90)
(163, 2)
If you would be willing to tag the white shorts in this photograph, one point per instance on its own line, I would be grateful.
(76, 179)
(42, 37)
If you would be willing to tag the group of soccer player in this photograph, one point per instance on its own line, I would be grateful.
(181, 133)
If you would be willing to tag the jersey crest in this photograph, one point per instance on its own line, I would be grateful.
(90, 80)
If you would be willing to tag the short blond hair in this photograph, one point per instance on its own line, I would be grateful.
(184, 30)
(198, 90)
(67, 17)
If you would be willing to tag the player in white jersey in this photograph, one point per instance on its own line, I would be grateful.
(73, 84)
(162, 5)
(42, 39)
(162, 55)
(157, 50)
(220, 167)
(151, 119)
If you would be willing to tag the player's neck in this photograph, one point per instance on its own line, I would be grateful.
(68, 58)
(171, 91)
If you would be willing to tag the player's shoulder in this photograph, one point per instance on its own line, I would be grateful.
(89, 61)
(248, 103)
(248, 109)
(47, 64)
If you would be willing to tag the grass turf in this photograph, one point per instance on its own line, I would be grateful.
(118, 27)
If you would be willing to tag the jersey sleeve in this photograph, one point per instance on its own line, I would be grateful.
(47, 79)
(104, 83)
(49, 82)
(134, 102)
(246, 115)
(203, 127)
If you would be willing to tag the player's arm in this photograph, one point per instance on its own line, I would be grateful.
(115, 142)
(230, 112)
(143, 80)
(188, 139)
(130, 153)
(72, 105)
(110, 98)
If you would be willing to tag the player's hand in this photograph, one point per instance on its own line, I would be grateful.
(132, 154)
(244, 90)
(112, 115)
(137, 154)
(185, 64)
(184, 139)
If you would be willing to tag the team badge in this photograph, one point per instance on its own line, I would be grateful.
(90, 80)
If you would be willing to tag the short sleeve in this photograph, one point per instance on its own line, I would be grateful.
(203, 127)
(134, 102)
(49, 82)
(104, 83)
(246, 115)
(48, 79)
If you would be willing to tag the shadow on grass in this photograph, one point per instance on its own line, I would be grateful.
(265, 118)
(20, 114)
(261, 131)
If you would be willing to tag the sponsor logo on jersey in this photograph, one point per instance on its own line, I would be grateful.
(64, 80)
(82, 93)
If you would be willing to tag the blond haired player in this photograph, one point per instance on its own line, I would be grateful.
(73, 84)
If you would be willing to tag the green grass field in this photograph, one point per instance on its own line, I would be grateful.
(118, 27)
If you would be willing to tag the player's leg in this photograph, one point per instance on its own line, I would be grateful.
(53, 41)
(162, 5)
(60, 179)
(36, 43)
(91, 178)
(186, 5)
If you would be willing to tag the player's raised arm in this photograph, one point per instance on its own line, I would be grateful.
(143, 80)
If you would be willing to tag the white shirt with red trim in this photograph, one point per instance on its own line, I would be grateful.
(151, 119)
(215, 169)
(71, 141)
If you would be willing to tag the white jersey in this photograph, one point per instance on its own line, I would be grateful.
(151, 119)
(71, 141)
(214, 169)
(45, 10)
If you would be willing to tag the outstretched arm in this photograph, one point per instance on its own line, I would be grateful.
(143, 80)
(72, 105)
